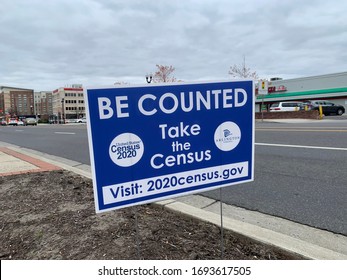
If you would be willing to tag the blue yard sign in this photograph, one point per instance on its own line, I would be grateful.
(158, 141)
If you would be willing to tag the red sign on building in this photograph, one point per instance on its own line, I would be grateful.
(276, 89)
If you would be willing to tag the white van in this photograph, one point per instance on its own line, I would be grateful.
(285, 106)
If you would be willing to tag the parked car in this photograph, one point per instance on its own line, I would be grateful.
(20, 122)
(13, 121)
(30, 121)
(328, 107)
(286, 106)
(3, 122)
(82, 120)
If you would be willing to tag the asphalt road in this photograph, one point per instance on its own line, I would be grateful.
(300, 175)
(67, 141)
(300, 168)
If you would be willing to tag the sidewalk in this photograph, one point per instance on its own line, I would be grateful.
(306, 241)
(12, 162)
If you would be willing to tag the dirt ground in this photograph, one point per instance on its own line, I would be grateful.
(50, 215)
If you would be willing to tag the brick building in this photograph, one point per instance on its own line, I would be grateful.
(43, 104)
(16, 102)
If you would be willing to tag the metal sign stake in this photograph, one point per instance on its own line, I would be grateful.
(137, 235)
(221, 224)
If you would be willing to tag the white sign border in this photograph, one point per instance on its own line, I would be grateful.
(90, 139)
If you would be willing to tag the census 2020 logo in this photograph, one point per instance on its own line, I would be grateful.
(227, 136)
(126, 149)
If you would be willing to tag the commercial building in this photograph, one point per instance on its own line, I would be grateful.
(16, 102)
(331, 87)
(68, 103)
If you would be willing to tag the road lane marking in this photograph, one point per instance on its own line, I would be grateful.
(66, 133)
(301, 147)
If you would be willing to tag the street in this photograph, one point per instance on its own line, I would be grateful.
(300, 174)
(300, 167)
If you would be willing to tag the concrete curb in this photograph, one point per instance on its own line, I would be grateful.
(263, 235)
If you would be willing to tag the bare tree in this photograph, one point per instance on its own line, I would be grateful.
(164, 74)
(241, 71)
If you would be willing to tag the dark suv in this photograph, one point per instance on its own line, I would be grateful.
(327, 107)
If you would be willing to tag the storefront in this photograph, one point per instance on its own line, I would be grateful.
(331, 87)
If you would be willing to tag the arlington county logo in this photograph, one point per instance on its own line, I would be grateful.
(227, 136)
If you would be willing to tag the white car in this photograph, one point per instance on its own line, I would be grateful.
(82, 120)
(13, 121)
(285, 106)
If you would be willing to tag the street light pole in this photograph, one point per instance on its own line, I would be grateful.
(35, 110)
(62, 106)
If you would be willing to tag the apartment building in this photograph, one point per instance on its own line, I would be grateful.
(43, 104)
(16, 102)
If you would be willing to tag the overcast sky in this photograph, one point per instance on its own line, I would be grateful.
(48, 44)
